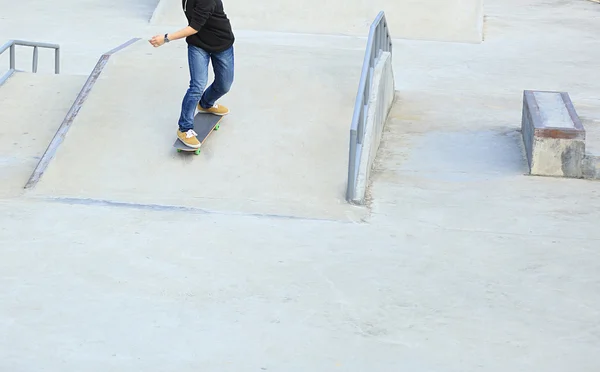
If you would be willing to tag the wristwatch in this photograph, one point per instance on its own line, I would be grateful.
(167, 38)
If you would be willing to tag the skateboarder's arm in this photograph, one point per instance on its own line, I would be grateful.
(183, 33)
(158, 40)
(200, 13)
(198, 16)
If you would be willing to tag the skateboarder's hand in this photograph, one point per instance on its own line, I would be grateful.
(157, 40)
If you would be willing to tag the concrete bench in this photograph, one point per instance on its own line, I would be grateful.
(553, 135)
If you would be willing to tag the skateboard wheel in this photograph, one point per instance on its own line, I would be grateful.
(217, 126)
(197, 152)
(178, 150)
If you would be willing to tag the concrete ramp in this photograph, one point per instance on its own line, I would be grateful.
(283, 149)
(32, 107)
(443, 20)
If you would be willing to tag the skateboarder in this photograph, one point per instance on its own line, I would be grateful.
(210, 38)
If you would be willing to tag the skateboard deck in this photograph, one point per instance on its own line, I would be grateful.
(204, 124)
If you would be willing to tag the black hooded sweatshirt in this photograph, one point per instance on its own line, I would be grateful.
(209, 19)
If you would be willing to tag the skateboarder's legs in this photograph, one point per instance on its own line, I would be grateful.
(196, 97)
(223, 67)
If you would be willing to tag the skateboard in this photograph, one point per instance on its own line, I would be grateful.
(204, 124)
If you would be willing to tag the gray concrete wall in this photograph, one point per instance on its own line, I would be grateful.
(380, 103)
(459, 20)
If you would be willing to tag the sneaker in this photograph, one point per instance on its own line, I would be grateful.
(189, 138)
(215, 110)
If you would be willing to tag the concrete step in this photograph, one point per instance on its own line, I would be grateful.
(283, 150)
(32, 107)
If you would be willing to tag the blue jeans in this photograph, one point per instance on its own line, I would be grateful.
(198, 60)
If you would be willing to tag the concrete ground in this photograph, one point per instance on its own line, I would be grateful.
(450, 21)
(463, 263)
(32, 107)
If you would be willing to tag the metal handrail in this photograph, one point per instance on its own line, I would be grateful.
(12, 44)
(379, 41)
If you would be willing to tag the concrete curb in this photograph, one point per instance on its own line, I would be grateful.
(72, 114)
(380, 102)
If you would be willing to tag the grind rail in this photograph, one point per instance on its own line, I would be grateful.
(12, 44)
(379, 41)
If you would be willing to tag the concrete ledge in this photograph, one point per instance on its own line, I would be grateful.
(553, 135)
(380, 102)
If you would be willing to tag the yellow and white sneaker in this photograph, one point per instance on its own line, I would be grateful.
(215, 110)
(189, 138)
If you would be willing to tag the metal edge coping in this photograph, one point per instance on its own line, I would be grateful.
(572, 112)
(578, 131)
(71, 115)
(121, 47)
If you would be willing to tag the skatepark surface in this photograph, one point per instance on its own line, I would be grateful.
(276, 153)
(128, 256)
(52, 96)
(432, 19)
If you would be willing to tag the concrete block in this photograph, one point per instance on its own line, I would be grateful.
(553, 135)
(380, 103)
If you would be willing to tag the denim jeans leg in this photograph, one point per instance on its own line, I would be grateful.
(198, 61)
(223, 66)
